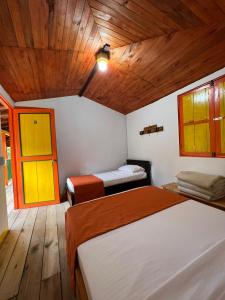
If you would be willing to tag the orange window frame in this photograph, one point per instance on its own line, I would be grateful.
(218, 114)
(215, 140)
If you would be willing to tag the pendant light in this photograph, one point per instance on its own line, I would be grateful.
(102, 58)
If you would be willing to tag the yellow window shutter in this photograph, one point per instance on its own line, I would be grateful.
(195, 121)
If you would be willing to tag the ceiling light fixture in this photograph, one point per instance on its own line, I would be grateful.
(102, 61)
(102, 58)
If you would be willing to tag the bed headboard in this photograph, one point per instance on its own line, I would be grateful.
(144, 164)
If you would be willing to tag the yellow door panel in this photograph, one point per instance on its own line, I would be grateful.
(202, 138)
(222, 126)
(189, 135)
(30, 186)
(222, 99)
(201, 105)
(45, 178)
(35, 134)
(188, 108)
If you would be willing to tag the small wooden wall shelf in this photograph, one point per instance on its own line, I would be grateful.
(151, 129)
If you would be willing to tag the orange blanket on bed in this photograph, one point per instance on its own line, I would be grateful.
(87, 187)
(90, 219)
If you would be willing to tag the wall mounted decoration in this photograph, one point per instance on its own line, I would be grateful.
(151, 129)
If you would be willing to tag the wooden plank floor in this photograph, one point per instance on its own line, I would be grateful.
(33, 257)
(9, 197)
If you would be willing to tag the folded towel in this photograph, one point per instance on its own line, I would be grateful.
(199, 195)
(217, 190)
(202, 180)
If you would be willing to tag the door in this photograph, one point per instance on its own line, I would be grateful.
(36, 157)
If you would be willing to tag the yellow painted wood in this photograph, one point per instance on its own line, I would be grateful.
(195, 109)
(45, 180)
(222, 98)
(197, 138)
(189, 137)
(35, 134)
(188, 108)
(38, 181)
(202, 138)
(30, 184)
(222, 136)
(3, 235)
(222, 114)
(201, 105)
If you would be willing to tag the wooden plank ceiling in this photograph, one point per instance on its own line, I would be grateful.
(47, 47)
(4, 116)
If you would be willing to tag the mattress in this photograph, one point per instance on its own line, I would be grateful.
(113, 178)
(178, 253)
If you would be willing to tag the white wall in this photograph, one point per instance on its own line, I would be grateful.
(90, 137)
(162, 148)
(6, 95)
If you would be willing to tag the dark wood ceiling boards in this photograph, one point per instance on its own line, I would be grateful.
(43, 47)
(47, 47)
(4, 117)
(154, 68)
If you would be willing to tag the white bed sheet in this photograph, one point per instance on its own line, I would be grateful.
(113, 178)
(178, 253)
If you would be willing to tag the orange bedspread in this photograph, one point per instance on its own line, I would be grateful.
(90, 219)
(87, 187)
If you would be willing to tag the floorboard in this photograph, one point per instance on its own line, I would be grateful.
(10, 284)
(31, 279)
(51, 288)
(9, 243)
(51, 249)
(12, 217)
(33, 255)
(66, 291)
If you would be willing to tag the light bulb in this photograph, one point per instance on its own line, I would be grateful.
(102, 65)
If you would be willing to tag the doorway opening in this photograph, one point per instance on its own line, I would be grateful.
(6, 153)
(7, 141)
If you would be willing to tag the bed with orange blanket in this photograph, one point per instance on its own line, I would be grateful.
(148, 244)
(90, 219)
(88, 187)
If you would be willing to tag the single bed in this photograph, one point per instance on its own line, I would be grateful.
(117, 180)
(175, 253)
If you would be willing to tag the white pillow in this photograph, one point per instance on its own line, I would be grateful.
(131, 168)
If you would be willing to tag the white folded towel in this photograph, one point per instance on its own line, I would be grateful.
(200, 195)
(201, 180)
(217, 189)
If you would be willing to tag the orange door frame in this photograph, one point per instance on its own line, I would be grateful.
(10, 108)
(53, 156)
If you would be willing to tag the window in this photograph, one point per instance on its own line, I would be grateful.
(202, 120)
